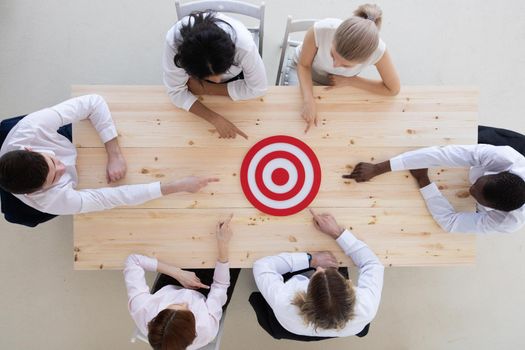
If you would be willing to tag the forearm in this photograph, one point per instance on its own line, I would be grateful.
(223, 252)
(372, 85)
(112, 148)
(204, 112)
(167, 269)
(215, 89)
(305, 80)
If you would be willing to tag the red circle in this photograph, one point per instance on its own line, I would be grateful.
(248, 159)
(280, 176)
(262, 186)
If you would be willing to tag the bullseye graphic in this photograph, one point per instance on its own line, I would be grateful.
(280, 175)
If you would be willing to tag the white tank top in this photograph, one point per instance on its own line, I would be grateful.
(323, 64)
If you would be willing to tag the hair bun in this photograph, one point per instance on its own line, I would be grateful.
(370, 11)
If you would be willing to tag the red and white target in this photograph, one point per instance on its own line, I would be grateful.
(280, 175)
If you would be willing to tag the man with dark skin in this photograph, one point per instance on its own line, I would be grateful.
(496, 173)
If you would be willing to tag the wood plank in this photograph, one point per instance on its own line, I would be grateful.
(186, 237)
(151, 165)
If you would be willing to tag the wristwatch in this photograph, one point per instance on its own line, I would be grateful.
(309, 259)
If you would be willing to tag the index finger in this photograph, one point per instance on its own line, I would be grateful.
(201, 285)
(240, 132)
(213, 179)
(312, 212)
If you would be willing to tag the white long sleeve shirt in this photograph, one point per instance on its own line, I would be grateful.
(144, 306)
(38, 130)
(247, 60)
(268, 273)
(482, 160)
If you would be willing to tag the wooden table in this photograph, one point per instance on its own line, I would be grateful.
(388, 213)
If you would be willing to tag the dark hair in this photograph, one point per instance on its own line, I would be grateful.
(205, 49)
(172, 330)
(328, 302)
(504, 191)
(23, 171)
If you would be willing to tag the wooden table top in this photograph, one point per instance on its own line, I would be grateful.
(161, 142)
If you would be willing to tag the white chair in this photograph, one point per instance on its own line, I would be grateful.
(238, 7)
(291, 27)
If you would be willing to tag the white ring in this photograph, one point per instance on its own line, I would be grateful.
(308, 174)
(276, 164)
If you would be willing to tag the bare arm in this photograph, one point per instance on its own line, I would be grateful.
(389, 85)
(225, 128)
(304, 72)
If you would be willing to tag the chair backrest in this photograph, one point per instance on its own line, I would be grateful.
(292, 26)
(229, 6)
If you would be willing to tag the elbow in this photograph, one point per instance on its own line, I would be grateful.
(394, 90)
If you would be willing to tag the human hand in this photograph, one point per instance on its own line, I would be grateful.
(363, 172)
(226, 128)
(421, 176)
(116, 167)
(223, 230)
(324, 260)
(309, 114)
(224, 233)
(327, 224)
(189, 280)
(196, 86)
(338, 81)
(192, 184)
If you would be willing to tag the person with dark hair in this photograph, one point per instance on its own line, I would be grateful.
(180, 318)
(38, 165)
(208, 53)
(326, 304)
(497, 176)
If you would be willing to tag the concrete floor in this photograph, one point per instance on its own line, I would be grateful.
(48, 45)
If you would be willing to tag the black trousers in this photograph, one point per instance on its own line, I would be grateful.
(14, 210)
(501, 137)
(268, 321)
(206, 277)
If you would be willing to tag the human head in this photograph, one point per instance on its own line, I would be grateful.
(172, 329)
(25, 171)
(205, 49)
(357, 37)
(329, 300)
(504, 191)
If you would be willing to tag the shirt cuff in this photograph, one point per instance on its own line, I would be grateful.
(396, 163)
(430, 191)
(108, 134)
(222, 272)
(154, 190)
(188, 102)
(299, 261)
(346, 240)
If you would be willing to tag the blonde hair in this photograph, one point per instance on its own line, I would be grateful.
(328, 302)
(358, 36)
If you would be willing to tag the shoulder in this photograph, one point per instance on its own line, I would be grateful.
(327, 24)
(238, 32)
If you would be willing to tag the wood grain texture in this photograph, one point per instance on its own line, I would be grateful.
(161, 142)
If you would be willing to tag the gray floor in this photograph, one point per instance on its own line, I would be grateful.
(48, 45)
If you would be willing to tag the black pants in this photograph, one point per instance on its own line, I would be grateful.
(206, 277)
(501, 137)
(15, 211)
(268, 321)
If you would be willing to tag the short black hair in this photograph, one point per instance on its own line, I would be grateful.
(205, 49)
(23, 171)
(504, 191)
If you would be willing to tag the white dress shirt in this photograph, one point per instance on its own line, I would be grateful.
(323, 63)
(268, 273)
(38, 130)
(144, 306)
(247, 60)
(482, 160)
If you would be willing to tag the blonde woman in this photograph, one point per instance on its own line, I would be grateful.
(326, 304)
(334, 52)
